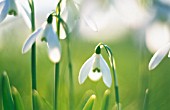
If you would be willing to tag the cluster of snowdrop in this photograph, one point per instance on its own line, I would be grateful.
(95, 67)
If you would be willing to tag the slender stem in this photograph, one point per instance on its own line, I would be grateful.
(33, 50)
(112, 63)
(56, 80)
(71, 91)
(56, 83)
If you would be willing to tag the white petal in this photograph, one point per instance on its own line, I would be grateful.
(94, 76)
(107, 78)
(31, 39)
(89, 21)
(158, 56)
(26, 14)
(4, 10)
(85, 69)
(53, 43)
(70, 14)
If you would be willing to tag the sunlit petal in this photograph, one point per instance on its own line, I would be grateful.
(85, 69)
(89, 21)
(4, 10)
(54, 47)
(158, 56)
(31, 39)
(95, 76)
(107, 78)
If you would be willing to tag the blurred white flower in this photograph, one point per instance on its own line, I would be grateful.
(95, 68)
(47, 33)
(158, 56)
(71, 15)
(11, 7)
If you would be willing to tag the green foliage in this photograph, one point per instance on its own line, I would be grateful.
(18, 103)
(39, 102)
(8, 103)
(90, 103)
(105, 102)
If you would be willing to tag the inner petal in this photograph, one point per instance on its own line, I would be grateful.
(95, 76)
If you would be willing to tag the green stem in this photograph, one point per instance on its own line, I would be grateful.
(112, 63)
(56, 80)
(56, 83)
(71, 91)
(33, 50)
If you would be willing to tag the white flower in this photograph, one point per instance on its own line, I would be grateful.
(158, 56)
(95, 68)
(11, 7)
(71, 15)
(47, 33)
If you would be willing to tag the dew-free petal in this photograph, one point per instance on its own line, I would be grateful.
(53, 43)
(85, 69)
(94, 76)
(158, 56)
(89, 21)
(31, 39)
(4, 10)
(107, 78)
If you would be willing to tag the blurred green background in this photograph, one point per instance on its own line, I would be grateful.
(131, 55)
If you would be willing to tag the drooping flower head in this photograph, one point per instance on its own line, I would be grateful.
(95, 68)
(47, 34)
(12, 7)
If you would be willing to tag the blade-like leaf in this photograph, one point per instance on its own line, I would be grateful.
(8, 103)
(39, 102)
(90, 102)
(84, 99)
(105, 103)
(18, 103)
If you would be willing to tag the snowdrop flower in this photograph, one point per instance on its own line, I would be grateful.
(158, 56)
(11, 7)
(95, 68)
(47, 33)
(71, 16)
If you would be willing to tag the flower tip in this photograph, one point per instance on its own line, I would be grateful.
(55, 55)
(151, 67)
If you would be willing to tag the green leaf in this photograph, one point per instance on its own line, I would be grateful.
(8, 103)
(39, 102)
(85, 99)
(18, 103)
(105, 103)
(90, 102)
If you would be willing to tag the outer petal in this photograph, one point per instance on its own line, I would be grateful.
(4, 10)
(107, 78)
(90, 23)
(53, 43)
(31, 39)
(26, 14)
(158, 56)
(85, 69)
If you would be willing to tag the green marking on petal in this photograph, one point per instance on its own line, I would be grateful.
(13, 12)
(96, 69)
(43, 39)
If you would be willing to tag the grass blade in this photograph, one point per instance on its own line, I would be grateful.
(18, 103)
(105, 103)
(8, 103)
(40, 103)
(90, 102)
